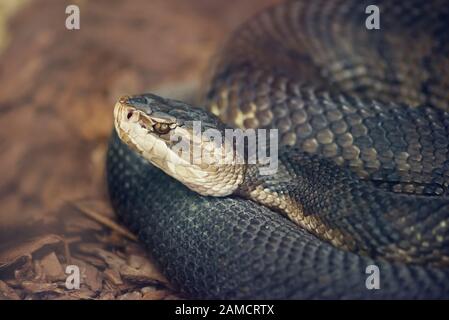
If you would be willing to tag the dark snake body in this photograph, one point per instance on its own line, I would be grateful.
(371, 101)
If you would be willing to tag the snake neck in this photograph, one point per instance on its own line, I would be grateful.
(294, 192)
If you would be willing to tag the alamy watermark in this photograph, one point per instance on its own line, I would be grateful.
(73, 19)
(373, 280)
(73, 280)
(210, 147)
(72, 22)
(372, 22)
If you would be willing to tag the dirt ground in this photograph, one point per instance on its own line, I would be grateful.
(57, 90)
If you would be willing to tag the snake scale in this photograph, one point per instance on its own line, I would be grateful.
(363, 121)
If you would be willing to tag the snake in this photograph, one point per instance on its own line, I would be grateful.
(357, 206)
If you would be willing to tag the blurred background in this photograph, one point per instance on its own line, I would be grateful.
(57, 91)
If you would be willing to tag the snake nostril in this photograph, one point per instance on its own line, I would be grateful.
(129, 115)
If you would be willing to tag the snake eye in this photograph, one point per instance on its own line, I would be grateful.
(161, 128)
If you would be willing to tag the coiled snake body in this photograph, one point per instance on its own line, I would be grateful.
(367, 181)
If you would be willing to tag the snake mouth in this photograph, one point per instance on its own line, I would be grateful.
(131, 125)
(143, 129)
(134, 111)
(124, 112)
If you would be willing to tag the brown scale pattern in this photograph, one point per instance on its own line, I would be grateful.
(266, 73)
(402, 149)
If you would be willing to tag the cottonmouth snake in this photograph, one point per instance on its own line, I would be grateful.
(369, 175)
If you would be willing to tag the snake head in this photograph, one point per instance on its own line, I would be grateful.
(169, 134)
(154, 116)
